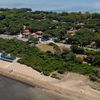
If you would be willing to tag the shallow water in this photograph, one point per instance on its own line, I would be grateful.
(14, 90)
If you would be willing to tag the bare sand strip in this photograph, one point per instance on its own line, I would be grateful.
(29, 76)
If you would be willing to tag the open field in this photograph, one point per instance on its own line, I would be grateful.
(45, 47)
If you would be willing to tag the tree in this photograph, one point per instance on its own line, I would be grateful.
(97, 40)
(77, 50)
(31, 39)
(84, 37)
(96, 60)
(70, 57)
(57, 50)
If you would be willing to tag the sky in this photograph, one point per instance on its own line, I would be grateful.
(53, 5)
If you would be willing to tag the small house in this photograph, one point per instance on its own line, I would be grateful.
(39, 32)
(26, 31)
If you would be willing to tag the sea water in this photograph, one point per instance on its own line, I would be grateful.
(54, 5)
(14, 90)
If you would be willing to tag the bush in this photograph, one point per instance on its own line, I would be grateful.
(79, 60)
(93, 77)
(77, 50)
(46, 62)
(61, 71)
(55, 76)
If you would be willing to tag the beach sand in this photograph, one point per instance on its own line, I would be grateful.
(73, 86)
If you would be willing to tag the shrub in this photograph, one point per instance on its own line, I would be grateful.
(77, 50)
(93, 77)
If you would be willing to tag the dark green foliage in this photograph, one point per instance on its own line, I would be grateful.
(83, 37)
(46, 62)
(55, 76)
(77, 50)
(43, 62)
(93, 77)
(70, 57)
(52, 24)
(93, 57)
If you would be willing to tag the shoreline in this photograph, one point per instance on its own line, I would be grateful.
(35, 83)
(29, 76)
(32, 82)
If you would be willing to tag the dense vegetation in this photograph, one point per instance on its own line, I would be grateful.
(53, 24)
(47, 62)
(84, 26)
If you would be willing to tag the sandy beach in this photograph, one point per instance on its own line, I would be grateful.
(72, 85)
